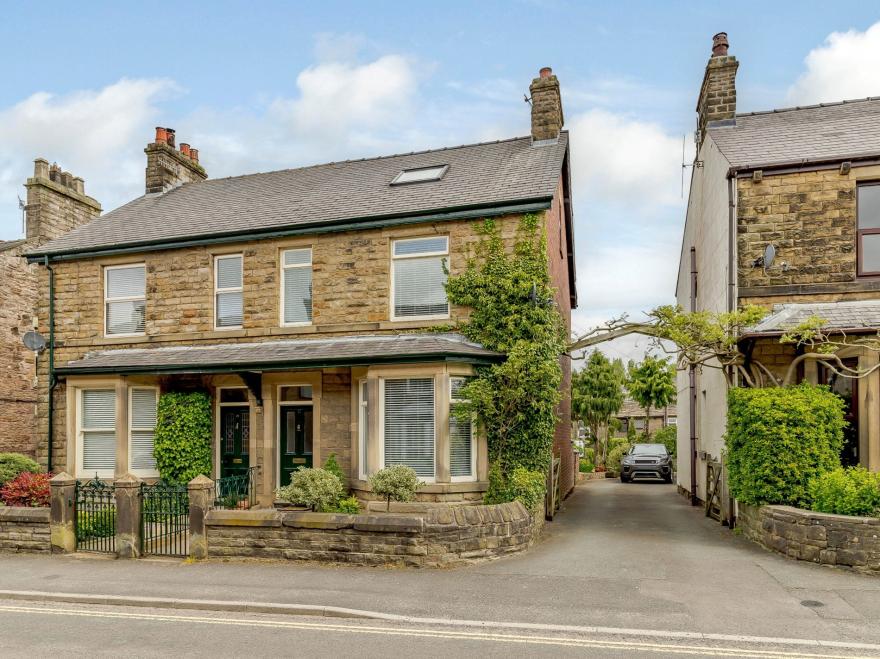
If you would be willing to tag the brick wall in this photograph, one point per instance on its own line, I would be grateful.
(24, 530)
(446, 535)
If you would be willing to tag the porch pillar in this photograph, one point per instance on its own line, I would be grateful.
(374, 439)
(128, 516)
(869, 417)
(201, 495)
(62, 522)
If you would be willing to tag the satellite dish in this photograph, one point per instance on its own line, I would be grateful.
(34, 341)
(769, 256)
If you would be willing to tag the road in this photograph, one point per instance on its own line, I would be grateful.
(633, 557)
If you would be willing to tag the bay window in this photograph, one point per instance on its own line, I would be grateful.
(408, 424)
(142, 430)
(462, 456)
(97, 433)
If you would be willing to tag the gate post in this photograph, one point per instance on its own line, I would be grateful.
(62, 524)
(128, 516)
(201, 495)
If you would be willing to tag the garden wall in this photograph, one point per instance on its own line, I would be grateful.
(24, 529)
(443, 535)
(817, 537)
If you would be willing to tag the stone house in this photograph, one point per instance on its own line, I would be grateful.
(633, 414)
(302, 299)
(56, 203)
(783, 213)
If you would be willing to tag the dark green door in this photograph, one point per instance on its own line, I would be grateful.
(234, 440)
(296, 439)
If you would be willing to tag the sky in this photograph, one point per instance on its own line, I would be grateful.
(258, 86)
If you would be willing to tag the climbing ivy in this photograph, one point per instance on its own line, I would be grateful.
(510, 296)
(182, 444)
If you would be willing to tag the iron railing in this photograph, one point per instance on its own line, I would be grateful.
(164, 519)
(237, 492)
(95, 516)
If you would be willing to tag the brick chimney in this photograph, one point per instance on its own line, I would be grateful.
(547, 119)
(167, 167)
(56, 203)
(717, 101)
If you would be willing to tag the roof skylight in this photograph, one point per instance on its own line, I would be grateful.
(420, 175)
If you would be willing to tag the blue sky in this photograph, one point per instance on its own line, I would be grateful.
(267, 85)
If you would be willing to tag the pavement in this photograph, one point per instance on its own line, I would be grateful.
(619, 557)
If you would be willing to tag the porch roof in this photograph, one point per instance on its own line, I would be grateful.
(857, 316)
(284, 354)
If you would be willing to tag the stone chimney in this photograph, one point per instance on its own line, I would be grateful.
(56, 203)
(167, 167)
(547, 118)
(717, 100)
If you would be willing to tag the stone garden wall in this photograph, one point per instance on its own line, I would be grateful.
(443, 535)
(817, 537)
(24, 529)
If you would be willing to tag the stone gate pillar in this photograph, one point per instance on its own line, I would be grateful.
(201, 496)
(128, 516)
(62, 525)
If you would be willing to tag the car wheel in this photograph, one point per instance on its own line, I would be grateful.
(668, 478)
(624, 479)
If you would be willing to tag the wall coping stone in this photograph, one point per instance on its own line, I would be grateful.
(17, 514)
(243, 518)
(815, 516)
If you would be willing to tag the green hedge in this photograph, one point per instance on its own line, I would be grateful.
(14, 464)
(780, 438)
(183, 436)
(854, 491)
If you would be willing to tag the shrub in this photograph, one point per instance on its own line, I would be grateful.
(615, 455)
(586, 466)
(95, 525)
(854, 491)
(395, 483)
(331, 465)
(348, 505)
(182, 444)
(27, 489)
(13, 464)
(589, 455)
(524, 485)
(780, 438)
(667, 436)
(316, 488)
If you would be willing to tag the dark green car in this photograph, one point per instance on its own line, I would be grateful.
(646, 461)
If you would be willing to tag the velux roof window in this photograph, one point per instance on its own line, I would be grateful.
(420, 175)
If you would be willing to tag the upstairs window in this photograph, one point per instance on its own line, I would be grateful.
(420, 175)
(97, 433)
(296, 286)
(418, 278)
(228, 300)
(868, 209)
(125, 299)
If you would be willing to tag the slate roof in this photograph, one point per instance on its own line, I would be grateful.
(856, 316)
(277, 355)
(480, 175)
(848, 130)
(6, 245)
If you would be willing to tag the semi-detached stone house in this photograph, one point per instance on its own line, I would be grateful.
(633, 414)
(803, 180)
(300, 299)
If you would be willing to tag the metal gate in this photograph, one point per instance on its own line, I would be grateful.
(95, 516)
(164, 519)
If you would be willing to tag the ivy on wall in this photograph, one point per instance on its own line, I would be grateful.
(510, 296)
(182, 443)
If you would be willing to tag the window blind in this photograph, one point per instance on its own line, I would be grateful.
(126, 317)
(229, 309)
(419, 287)
(409, 424)
(298, 294)
(229, 272)
(415, 246)
(143, 430)
(460, 439)
(125, 302)
(98, 422)
(126, 282)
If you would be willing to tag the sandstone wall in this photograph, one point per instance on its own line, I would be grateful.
(24, 530)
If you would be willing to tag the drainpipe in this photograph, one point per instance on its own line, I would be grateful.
(692, 381)
(52, 382)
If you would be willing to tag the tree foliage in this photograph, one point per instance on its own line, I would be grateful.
(651, 383)
(13, 464)
(510, 296)
(597, 395)
(182, 444)
(395, 483)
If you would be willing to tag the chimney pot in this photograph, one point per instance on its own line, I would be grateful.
(79, 185)
(720, 45)
(194, 154)
(169, 132)
(184, 148)
(66, 179)
(55, 173)
(41, 168)
(546, 72)
(161, 135)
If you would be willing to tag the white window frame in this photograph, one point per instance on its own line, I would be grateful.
(80, 432)
(233, 289)
(363, 428)
(129, 298)
(381, 439)
(284, 269)
(423, 255)
(143, 473)
(473, 475)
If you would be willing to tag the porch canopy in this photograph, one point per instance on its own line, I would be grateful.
(852, 316)
(284, 355)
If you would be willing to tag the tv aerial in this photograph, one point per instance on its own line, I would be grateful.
(684, 164)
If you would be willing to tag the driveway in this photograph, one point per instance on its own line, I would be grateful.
(634, 556)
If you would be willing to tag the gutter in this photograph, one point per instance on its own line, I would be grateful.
(803, 165)
(334, 226)
(53, 381)
(692, 386)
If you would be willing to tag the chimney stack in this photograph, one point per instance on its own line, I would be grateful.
(547, 119)
(167, 167)
(717, 101)
(56, 203)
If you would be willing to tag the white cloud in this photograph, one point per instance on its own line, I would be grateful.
(846, 66)
(96, 134)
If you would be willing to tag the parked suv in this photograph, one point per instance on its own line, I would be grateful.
(646, 461)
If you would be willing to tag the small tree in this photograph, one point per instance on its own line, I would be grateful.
(318, 489)
(652, 385)
(395, 483)
(596, 396)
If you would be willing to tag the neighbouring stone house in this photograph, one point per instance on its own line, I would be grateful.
(56, 203)
(300, 299)
(633, 414)
(802, 182)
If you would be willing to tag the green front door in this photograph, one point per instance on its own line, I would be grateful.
(234, 439)
(296, 440)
